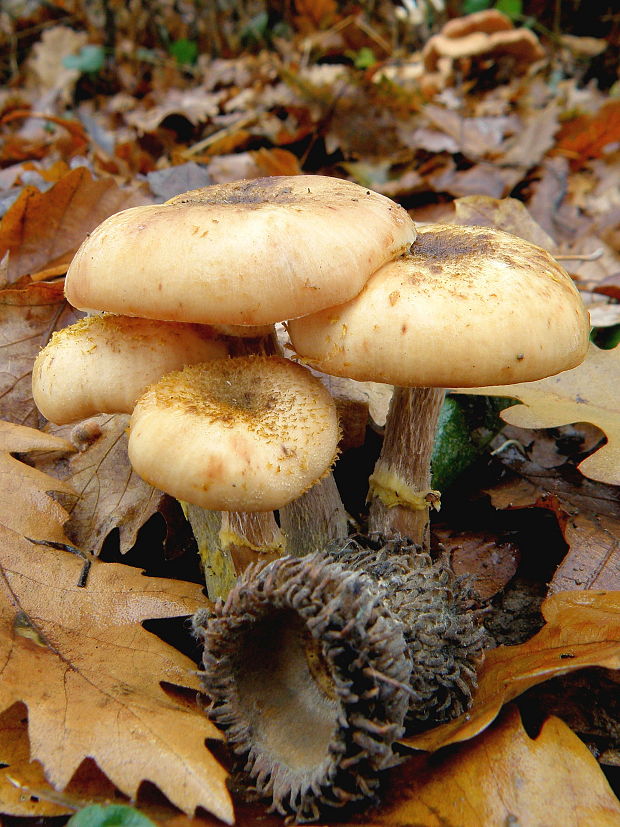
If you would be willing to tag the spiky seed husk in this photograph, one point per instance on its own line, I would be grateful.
(443, 628)
(329, 629)
(308, 671)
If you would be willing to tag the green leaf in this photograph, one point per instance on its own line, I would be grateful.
(184, 51)
(112, 815)
(363, 59)
(472, 6)
(511, 8)
(90, 58)
(466, 426)
(606, 337)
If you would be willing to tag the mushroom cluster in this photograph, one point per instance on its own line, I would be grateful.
(228, 259)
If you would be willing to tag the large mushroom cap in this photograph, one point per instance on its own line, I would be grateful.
(244, 434)
(470, 306)
(247, 253)
(102, 364)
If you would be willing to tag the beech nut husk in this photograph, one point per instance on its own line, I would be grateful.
(315, 666)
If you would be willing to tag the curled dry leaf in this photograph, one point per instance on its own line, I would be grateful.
(503, 777)
(42, 230)
(587, 393)
(587, 517)
(582, 629)
(91, 675)
(106, 493)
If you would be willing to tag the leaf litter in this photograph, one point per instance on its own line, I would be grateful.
(453, 142)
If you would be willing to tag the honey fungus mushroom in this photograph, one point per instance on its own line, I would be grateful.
(468, 307)
(246, 253)
(102, 364)
(244, 434)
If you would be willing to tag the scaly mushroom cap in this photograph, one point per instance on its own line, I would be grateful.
(470, 306)
(102, 364)
(247, 253)
(307, 670)
(244, 434)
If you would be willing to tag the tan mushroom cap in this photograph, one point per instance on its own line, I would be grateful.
(245, 434)
(247, 253)
(470, 306)
(102, 364)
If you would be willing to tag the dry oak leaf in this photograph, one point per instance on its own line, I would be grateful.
(504, 777)
(588, 136)
(587, 393)
(506, 214)
(90, 675)
(26, 506)
(582, 629)
(29, 314)
(42, 230)
(17, 772)
(106, 493)
(587, 517)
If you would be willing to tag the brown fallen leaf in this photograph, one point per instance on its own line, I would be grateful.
(26, 506)
(587, 393)
(18, 772)
(587, 136)
(44, 229)
(506, 214)
(106, 491)
(503, 777)
(582, 629)
(491, 561)
(588, 519)
(91, 675)
(29, 314)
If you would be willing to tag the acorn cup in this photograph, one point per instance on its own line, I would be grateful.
(316, 666)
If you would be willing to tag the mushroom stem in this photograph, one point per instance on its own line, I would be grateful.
(228, 541)
(315, 519)
(400, 491)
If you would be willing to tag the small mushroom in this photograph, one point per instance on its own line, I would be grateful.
(468, 307)
(102, 364)
(481, 38)
(244, 434)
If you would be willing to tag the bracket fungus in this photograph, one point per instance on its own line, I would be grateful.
(315, 666)
(467, 307)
